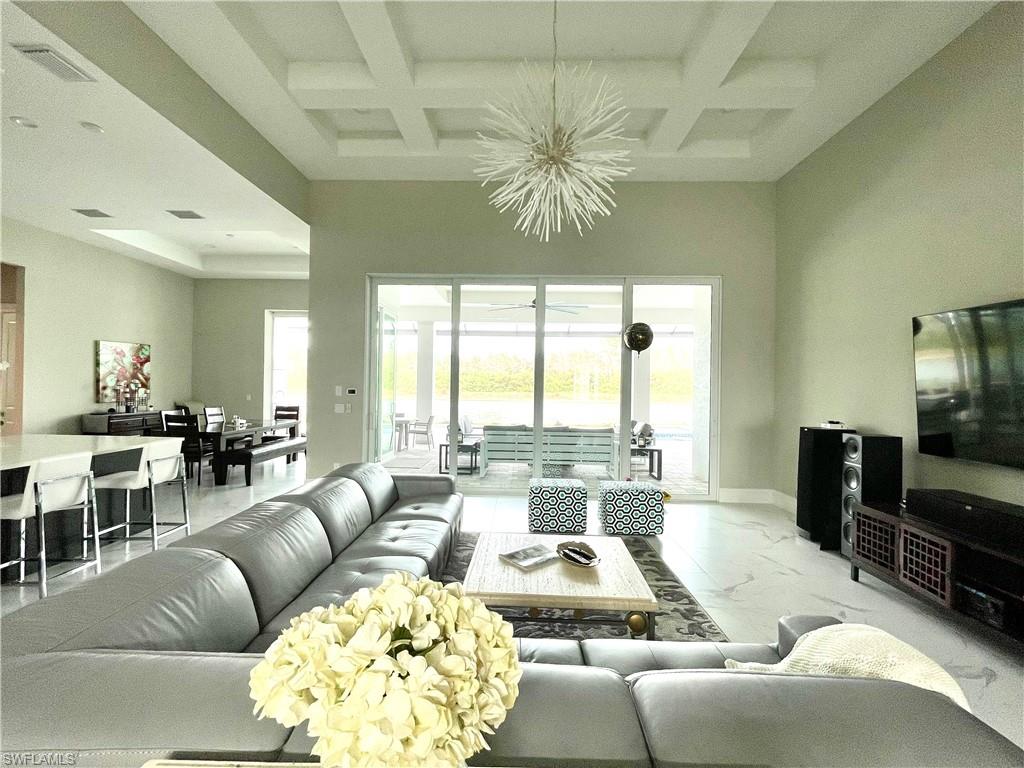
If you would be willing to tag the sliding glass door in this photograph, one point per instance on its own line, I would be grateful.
(529, 376)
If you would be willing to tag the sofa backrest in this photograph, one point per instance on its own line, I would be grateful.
(168, 600)
(279, 547)
(376, 482)
(339, 503)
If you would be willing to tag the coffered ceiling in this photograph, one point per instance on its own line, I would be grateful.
(368, 89)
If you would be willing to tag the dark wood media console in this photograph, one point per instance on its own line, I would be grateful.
(944, 566)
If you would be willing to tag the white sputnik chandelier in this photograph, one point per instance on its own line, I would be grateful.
(556, 151)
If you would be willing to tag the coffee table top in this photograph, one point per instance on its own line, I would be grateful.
(616, 584)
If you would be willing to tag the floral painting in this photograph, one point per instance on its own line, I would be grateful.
(120, 365)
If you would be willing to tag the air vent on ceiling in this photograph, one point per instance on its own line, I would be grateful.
(185, 214)
(45, 56)
(92, 213)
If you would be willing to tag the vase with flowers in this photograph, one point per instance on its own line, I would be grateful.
(411, 673)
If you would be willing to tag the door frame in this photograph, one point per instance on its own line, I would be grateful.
(541, 283)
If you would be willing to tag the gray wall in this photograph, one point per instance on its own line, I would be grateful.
(228, 352)
(447, 227)
(915, 207)
(76, 294)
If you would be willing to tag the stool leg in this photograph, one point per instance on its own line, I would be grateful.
(42, 547)
(85, 533)
(22, 526)
(95, 522)
(152, 513)
(184, 506)
(127, 517)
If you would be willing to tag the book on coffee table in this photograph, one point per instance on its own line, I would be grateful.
(528, 558)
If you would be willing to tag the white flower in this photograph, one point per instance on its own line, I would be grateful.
(411, 673)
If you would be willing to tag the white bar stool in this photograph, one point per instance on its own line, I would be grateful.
(53, 485)
(159, 464)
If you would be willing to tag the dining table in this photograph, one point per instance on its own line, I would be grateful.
(223, 434)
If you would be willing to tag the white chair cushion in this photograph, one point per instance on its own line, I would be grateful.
(12, 507)
(124, 481)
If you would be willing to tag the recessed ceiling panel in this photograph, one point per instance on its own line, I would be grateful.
(727, 124)
(806, 30)
(306, 31)
(362, 120)
(467, 31)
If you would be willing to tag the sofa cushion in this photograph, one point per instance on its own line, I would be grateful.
(628, 657)
(340, 505)
(743, 719)
(171, 599)
(280, 548)
(410, 485)
(342, 578)
(565, 716)
(111, 708)
(376, 483)
(428, 540)
(549, 650)
(442, 508)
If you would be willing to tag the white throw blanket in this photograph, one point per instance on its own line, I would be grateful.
(857, 650)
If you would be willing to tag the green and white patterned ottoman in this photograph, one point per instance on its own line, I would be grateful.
(628, 508)
(557, 506)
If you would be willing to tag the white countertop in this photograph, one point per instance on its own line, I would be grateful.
(22, 450)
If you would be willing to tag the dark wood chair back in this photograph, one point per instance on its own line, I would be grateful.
(214, 415)
(185, 426)
(286, 412)
(174, 412)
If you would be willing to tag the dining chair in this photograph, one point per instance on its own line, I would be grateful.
(159, 464)
(425, 428)
(215, 415)
(289, 412)
(173, 412)
(193, 448)
(53, 485)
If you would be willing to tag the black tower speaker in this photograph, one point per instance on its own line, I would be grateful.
(819, 485)
(872, 474)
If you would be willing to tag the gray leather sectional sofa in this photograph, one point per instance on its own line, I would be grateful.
(152, 659)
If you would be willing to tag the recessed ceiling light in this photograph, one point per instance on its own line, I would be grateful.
(229, 235)
(361, 110)
(91, 126)
(92, 213)
(181, 214)
(23, 122)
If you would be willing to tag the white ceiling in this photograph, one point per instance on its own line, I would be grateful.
(140, 167)
(368, 89)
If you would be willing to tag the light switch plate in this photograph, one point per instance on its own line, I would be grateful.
(339, 407)
(339, 390)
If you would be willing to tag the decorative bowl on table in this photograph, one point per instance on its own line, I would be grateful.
(578, 553)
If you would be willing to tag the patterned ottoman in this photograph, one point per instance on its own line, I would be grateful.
(631, 508)
(557, 506)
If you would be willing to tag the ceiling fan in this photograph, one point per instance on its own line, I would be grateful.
(569, 309)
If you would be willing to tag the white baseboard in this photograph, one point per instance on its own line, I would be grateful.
(758, 496)
(786, 502)
(746, 495)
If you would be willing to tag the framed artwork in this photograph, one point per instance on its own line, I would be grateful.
(123, 365)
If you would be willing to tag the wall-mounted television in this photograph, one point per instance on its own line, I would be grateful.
(969, 365)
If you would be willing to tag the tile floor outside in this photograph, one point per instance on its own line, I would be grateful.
(745, 563)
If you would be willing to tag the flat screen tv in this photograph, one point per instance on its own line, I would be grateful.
(969, 365)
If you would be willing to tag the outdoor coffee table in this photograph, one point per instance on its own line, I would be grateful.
(615, 585)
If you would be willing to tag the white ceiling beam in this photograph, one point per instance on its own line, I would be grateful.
(228, 50)
(391, 66)
(656, 84)
(467, 146)
(721, 43)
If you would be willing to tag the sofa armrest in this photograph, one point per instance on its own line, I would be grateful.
(410, 485)
(792, 627)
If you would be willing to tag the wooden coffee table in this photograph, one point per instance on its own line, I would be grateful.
(615, 585)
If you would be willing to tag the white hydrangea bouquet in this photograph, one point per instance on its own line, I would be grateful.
(412, 673)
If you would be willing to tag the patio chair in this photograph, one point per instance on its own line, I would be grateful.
(425, 428)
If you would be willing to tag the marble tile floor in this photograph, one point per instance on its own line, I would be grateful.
(746, 565)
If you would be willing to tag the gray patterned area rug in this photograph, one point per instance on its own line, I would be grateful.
(680, 616)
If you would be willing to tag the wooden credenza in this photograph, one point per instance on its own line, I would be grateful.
(141, 423)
